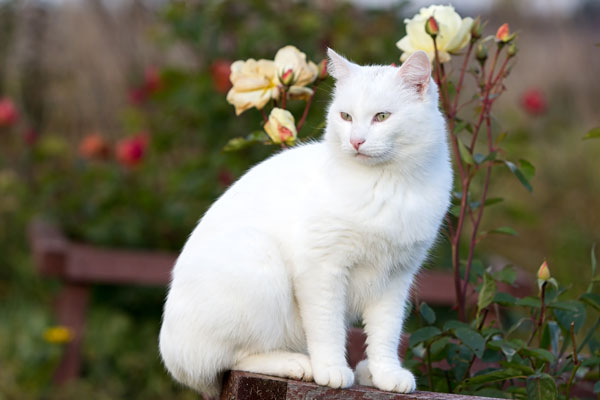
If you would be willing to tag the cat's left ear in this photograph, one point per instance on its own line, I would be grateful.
(416, 71)
(338, 66)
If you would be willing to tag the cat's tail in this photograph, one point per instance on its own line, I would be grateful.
(193, 363)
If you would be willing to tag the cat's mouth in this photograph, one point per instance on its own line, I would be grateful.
(361, 156)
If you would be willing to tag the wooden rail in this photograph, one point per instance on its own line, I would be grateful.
(79, 266)
(247, 386)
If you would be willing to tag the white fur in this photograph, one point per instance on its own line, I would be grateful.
(315, 238)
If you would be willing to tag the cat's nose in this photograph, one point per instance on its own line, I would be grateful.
(356, 142)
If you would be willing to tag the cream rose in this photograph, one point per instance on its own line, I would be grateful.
(290, 58)
(281, 126)
(254, 84)
(454, 33)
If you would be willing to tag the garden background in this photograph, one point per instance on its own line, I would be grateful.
(112, 124)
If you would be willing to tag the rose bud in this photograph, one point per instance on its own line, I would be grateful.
(287, 78)
(481, 53)
(512, 50)
(281, 126)
(476, 29)
(431, 27)
(322, 69)
(503, 34)
(543, 273)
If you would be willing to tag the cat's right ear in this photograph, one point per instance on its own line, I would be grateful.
(338, 66)
(416, 71)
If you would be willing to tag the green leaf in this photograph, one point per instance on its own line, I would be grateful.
(472, 339)
(550, 336)
(422, 335)
(239, 143)
(454, 324)
(465, 155)
(493, 200)
(504, 299)
(505, 230)
(459, 357)
(527, 168)
(539, 354)
(541, 386)
(508, 274)
(529, 302)
(487, 292)
(519, 174)
(591, 299)
(480, 158)
(460, 126)
(494, 376)
(597, 385)
(427, 313)
(593, 133)
(565, 317)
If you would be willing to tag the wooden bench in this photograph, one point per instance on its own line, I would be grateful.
(79, 266)
(246, 386)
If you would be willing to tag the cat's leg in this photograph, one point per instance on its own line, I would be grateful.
(320, 292)
(277, 363)
(383, 318)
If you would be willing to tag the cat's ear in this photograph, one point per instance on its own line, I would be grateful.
(416, 71)
(338, 66)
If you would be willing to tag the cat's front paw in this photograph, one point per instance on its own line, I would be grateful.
(395, 379)
(333, 376)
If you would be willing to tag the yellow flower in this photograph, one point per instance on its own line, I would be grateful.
(544, 272)
(254, 84)
(58, 334)
(454, 33)
(281, 126)
(290, 58)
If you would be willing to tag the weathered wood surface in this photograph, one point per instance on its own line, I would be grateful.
(247, 386)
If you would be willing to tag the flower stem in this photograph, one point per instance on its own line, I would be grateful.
(306, 108)
(576, 362)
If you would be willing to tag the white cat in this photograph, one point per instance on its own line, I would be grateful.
(315, 238)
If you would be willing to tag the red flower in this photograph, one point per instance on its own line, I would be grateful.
(93, 146)
(8, 112)
(152, 84)
(534, 102)
(131, 151)
(220, 71)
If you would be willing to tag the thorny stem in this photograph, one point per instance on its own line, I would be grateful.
(462, 76)
(576, 363)
(540, 321)
(264, 115)
(429, 368)
(306, 108)
(438, 79)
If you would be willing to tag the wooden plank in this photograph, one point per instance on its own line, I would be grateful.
(248, 386)
(87, 263)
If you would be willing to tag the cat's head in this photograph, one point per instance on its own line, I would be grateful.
(383, 114)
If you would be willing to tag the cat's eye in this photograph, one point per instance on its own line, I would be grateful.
(346, 117)
(380, 117)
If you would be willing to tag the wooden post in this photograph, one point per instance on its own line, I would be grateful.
(247, 386)
(71, 309)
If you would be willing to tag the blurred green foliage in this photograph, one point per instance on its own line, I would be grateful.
(156, 203)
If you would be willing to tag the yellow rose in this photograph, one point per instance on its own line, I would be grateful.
(454, 33)
(281, 126)
(254, 84)
(290, 58)
(58, 334)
